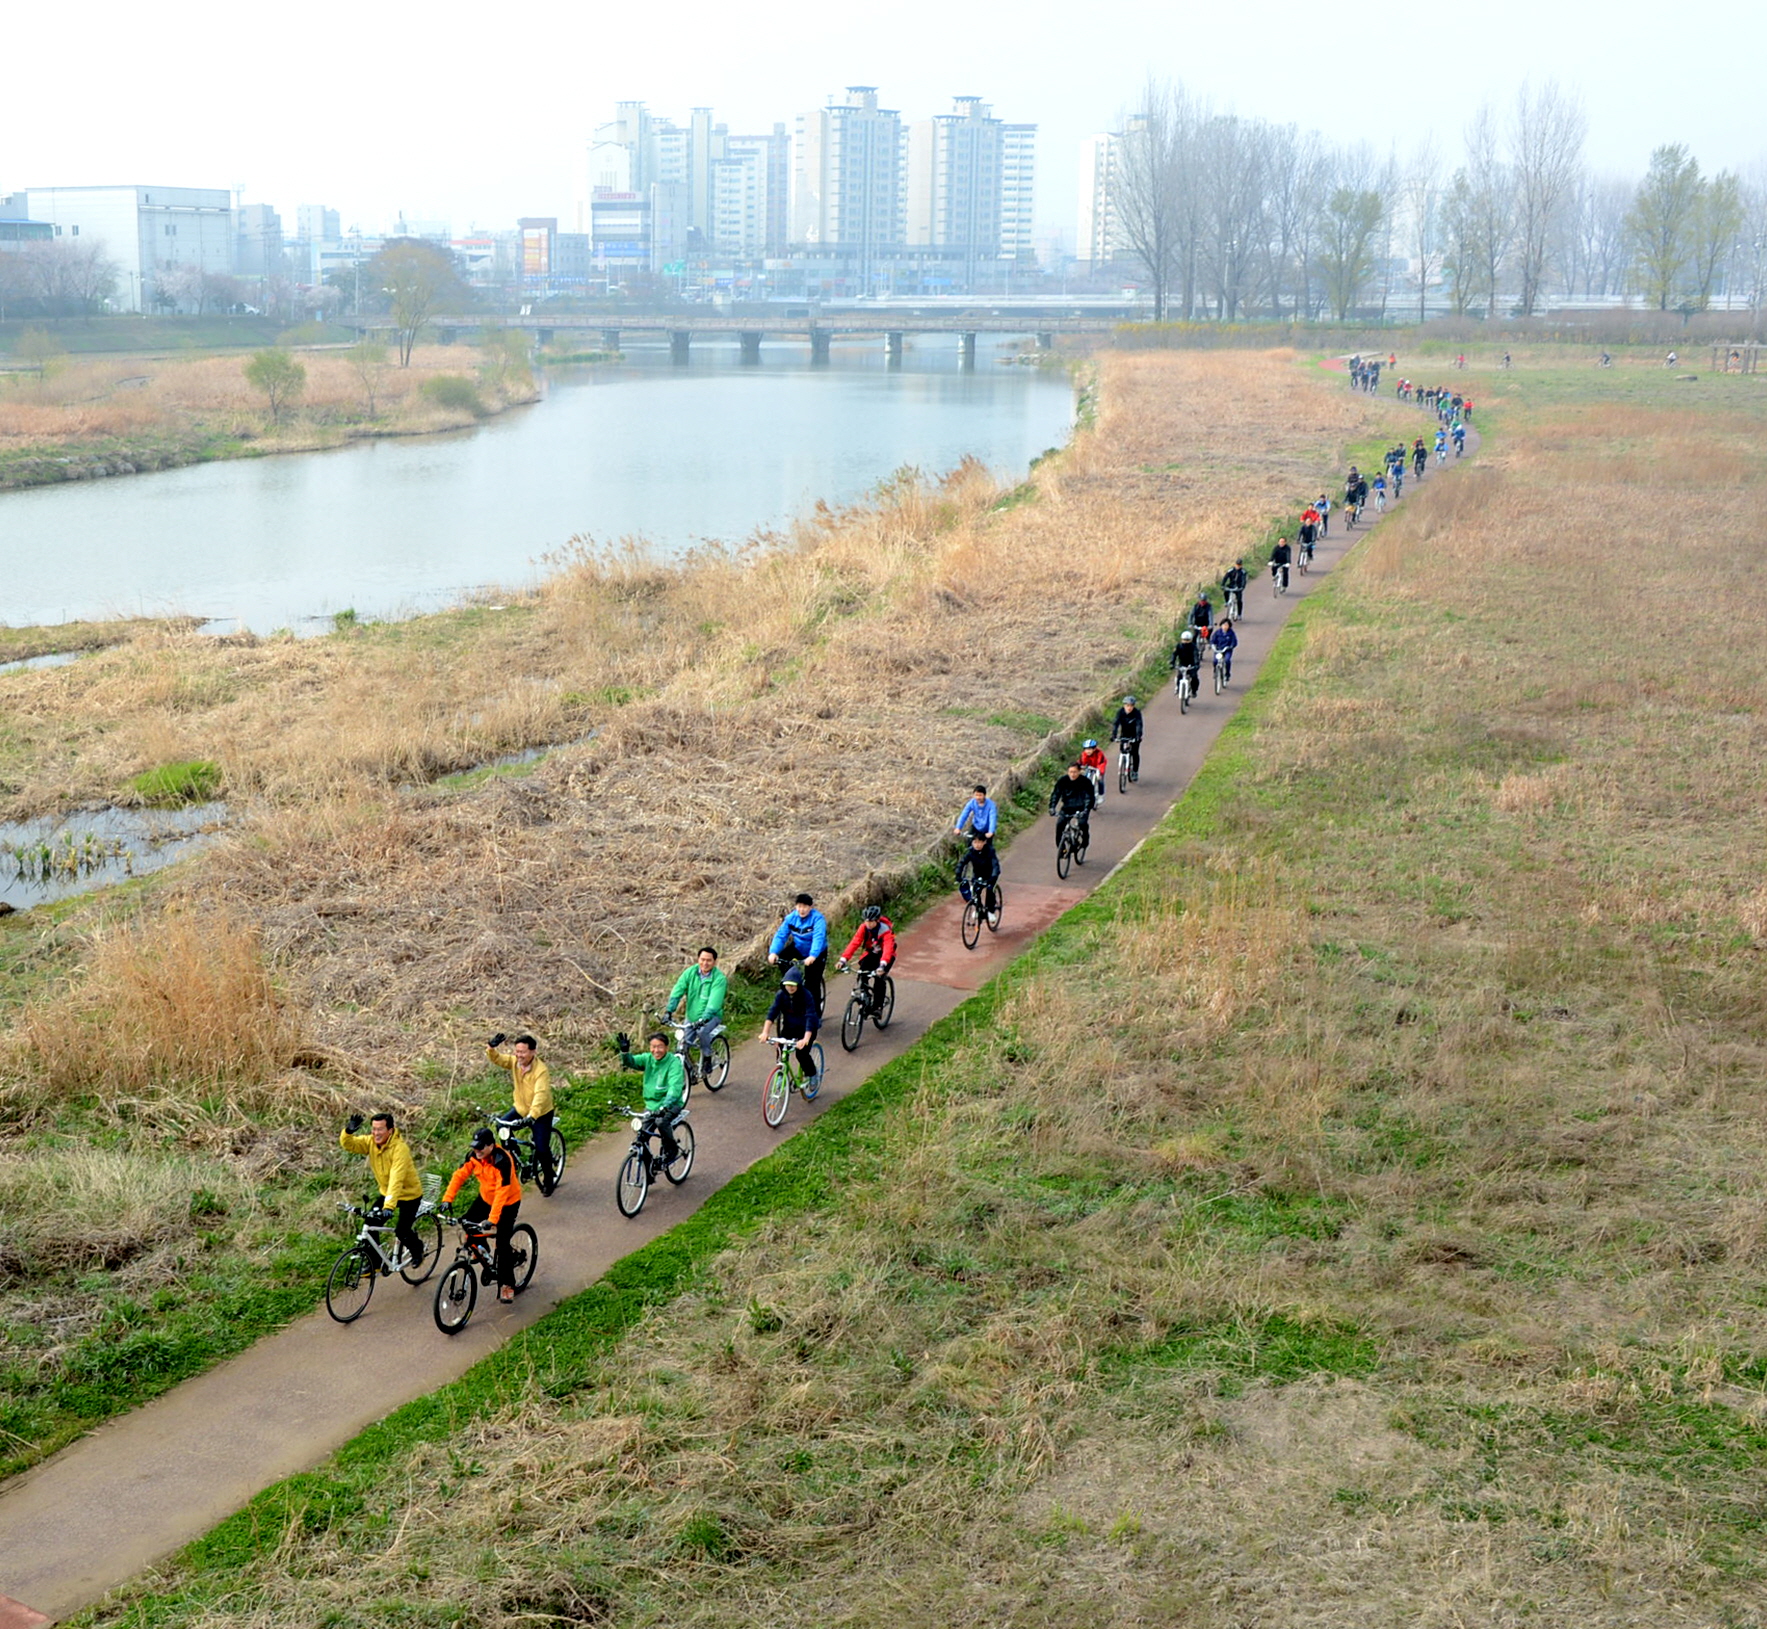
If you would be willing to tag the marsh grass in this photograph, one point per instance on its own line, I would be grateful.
(1351, 1214)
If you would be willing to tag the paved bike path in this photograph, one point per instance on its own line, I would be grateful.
(142, 1486)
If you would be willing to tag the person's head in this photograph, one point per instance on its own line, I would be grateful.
(803, 904)
(979, 790)
(793, 979)
(708, 958)
(658, 1043)
(1129, 702)
(977, 841)
(482, 1143)
(1201, 598)
(872, 913)
(525, 1048)
(1240, 562)
(1091, 744)
(1074, 771)
(380, 1127)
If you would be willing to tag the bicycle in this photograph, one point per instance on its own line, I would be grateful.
(788, 1077)
(1071, 844)
(508, 1127)
(1220, 671)
(640, 1165)
(349, 1286)
(1128, 763)
(716, 1073)
(1184, 686)
(1235, 603)
(1278, 578)
(873, 997)
(474, 1263)
(983, 904)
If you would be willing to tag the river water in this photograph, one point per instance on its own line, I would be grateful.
(675, 455)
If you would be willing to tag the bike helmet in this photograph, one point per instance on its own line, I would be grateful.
(1090, 743)
(872, 913)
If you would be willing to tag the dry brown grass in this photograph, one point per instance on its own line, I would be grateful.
(872, 664)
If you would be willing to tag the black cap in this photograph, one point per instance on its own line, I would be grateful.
(482, 1138)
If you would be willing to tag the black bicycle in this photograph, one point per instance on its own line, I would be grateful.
(374, 1254)
(873, 997)
(515, 1132)
(983, 904)
(1071, 843)
(475, 1263)
(641, 1164)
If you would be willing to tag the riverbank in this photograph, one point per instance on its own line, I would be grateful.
(725, 731)
(89, 419)
(1352, 1214)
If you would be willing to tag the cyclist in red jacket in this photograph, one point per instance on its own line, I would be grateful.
(873, 942)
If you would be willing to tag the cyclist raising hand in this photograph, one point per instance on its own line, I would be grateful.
(665, 1085)
(531, 1092)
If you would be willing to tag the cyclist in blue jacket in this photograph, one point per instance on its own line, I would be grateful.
(803, 937)
(980, 819)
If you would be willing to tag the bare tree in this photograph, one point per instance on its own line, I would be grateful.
(1149, 181)
(1660, 222)
(368, 361)
(1545, 161)
(1486, 204)
(1420, 192)
(1350, 229)
(419, 282)
(1233, 170)
(70, 277)
(1753, 246)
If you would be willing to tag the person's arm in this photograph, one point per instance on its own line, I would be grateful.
(352, 1143)
(715, 997)
(500, 1184)
(818, 936)
(854, 943)
(455, 1184)
(679, 993)
(780, 934)
(539, 1090)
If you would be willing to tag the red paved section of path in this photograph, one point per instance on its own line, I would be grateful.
(142, 1486)
(14, 1615)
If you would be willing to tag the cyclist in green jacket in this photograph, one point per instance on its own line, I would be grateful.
(699, 993)
(665, 1085)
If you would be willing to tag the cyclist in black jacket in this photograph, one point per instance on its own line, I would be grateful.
(1233, 582)
(1127, 727)
(1279, 559)
(1073, 798)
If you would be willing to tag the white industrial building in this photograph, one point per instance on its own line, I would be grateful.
(145, 230)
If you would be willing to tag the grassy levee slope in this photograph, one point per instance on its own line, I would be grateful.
(807, 711)
(1352, 1214)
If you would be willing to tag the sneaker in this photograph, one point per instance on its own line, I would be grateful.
(506, 1294)
(487, 1277)
(812, 1086)
(417, 1256)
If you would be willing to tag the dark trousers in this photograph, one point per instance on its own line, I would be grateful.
(813, 969)
(477, 1211)
(543, 1146)
(405, 1232)
(1080, 817)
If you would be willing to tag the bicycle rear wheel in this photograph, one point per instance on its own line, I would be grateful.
(456, 1296)
(429, 1229)
(972, 924)
(886, 1003)
(853, 1021)
(350, 1285)
(776, 1095)
(633, 1186)
(682, 1166)
(524, 1255)
(718, 1069)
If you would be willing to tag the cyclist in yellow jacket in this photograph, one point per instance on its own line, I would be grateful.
(394, 1172)
(531, 1092)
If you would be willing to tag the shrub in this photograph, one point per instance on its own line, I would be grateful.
(453, 392)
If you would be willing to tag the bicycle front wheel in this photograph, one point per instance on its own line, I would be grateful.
(633, 1186)
(886, 1004)
(1184, 697)
(429, 1230)
(972, 924)
(560, 1151)
(350, 1286)
(718, 1070)
(853, 1022)
(456, 1296)
(1220, 678)
(524, 1255)
(1122, 775)
(678, 1170)
(1064, 856)
(776, 1095)
(996, 904)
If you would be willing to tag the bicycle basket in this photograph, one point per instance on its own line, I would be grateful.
(432, 1190)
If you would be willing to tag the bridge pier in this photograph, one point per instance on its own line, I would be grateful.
(967, 352)
(819, 341)
(679, 340)
(893, 345)
(610, 339)
(1046, 342)
(444, 336)
(751, 348)
(543, 335)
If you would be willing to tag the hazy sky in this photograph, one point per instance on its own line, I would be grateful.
(378, 108)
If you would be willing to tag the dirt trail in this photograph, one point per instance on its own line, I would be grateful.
(142, 1486)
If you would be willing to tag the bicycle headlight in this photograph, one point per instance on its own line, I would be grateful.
(637, 1122)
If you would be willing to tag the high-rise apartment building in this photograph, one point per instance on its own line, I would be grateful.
(1100, 238)
(849, 204)
(970, 181)
(751, 195)
(314, 223)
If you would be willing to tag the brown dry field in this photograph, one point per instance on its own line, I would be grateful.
(134, 397)
(1352, 1215)
(795, 713)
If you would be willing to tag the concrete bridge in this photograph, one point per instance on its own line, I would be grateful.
(820, 330)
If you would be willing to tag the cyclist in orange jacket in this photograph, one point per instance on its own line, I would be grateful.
(500, 1198)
